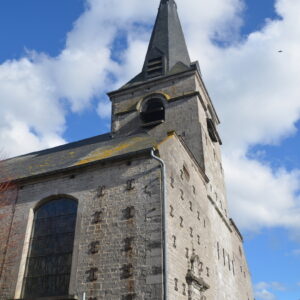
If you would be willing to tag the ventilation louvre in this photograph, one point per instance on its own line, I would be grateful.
(155, 67)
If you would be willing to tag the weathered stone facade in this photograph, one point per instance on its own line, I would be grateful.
(119, 250)
(118, 230)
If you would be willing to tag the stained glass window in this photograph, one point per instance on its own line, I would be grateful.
(50, 255)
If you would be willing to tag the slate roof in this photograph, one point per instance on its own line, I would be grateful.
(167, 40)
(74, 154)
(167, 37)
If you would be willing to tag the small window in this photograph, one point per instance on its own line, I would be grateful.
(212, 130)
(51, 246)
(153, 112)
(186, 173)
(155, 67)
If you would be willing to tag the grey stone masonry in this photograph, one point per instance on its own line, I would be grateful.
(212, 235)
(118, 241)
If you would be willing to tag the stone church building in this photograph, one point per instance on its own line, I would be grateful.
(138, 213)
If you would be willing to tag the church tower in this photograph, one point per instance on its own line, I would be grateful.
(169, 101)
(169, 94)
(139, 213)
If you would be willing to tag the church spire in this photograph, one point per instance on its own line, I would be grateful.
(167, 44)
(167, 52)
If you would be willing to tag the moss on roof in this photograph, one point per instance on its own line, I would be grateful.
(74, 154)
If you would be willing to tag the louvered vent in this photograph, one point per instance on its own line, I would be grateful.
(155, 67)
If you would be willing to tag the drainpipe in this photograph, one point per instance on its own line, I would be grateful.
(165, 224)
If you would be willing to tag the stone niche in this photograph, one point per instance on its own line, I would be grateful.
(196, 284)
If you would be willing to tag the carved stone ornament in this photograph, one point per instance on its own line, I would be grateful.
(128, 212)
(196, 284)
(97, 217)
(93, 247)
(130, 185)
(92, 274)
(172, 182)
(181, 194)
(100, 191)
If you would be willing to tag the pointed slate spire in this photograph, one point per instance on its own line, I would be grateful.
(167, 52)
(167, 41)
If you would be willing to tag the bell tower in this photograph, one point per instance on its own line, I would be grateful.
(168, 94)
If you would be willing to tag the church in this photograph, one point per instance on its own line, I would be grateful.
(139, 213)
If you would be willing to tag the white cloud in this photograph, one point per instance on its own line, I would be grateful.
(262, 290)
(256, 92)
(30, 116)
(264, 295)
(37, 90)
(278, 286)
(104, 109)
(260, 197)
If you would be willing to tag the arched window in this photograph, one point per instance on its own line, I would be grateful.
(153, 112)
(50, 255)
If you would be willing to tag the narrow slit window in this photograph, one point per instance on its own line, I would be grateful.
(49, 261)
(212, 130)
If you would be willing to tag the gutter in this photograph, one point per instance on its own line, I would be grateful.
(165, 225)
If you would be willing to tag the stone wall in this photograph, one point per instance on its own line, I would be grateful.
(197, 227)
(118, 241)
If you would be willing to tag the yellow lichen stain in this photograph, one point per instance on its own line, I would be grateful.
(43, 165)
(126, 107)
(111, 151)
(171, 134)
(71, 153)
(167, 96)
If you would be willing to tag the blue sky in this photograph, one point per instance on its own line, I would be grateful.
(39, 42)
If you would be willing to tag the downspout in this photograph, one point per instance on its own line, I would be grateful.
(165, 224)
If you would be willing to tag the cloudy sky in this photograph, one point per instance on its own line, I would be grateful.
(58, 58)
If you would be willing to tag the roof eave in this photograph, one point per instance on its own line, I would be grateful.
(132, 154)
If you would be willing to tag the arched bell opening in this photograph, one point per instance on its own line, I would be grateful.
(152, 111)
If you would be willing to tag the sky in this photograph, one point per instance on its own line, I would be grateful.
(59, 58)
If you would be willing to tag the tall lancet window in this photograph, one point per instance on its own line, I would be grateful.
(51, 247)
